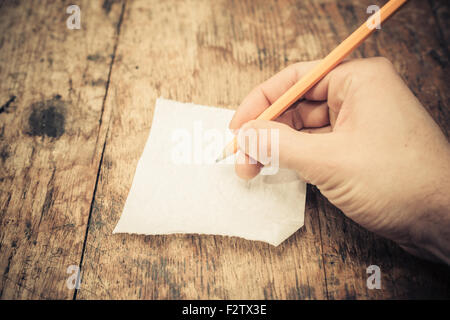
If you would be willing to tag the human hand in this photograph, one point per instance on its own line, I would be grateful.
(367, 143)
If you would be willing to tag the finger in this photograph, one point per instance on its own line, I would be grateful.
(306, 114)
(320, 91)
(326, 129)
(291, 148)
(246, 168)
(334, 87)
(332, 115)
(261, 97)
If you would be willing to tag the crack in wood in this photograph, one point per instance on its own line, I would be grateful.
(104, 145)
(7, 104)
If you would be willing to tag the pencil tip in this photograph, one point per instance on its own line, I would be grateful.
(220, 158)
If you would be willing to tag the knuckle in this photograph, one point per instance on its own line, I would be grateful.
(382, 62)
(370, 70)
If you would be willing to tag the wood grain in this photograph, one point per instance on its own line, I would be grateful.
(53, 85)
(63, 186)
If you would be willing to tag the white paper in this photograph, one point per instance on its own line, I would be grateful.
(178, 187)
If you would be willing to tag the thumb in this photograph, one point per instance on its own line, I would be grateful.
(274, 143)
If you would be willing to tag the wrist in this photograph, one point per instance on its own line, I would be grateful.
(430, 237)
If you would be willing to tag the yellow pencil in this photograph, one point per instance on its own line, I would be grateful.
(322, 69)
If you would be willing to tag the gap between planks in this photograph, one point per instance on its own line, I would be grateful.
(119, 25)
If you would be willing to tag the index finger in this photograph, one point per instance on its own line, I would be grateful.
(262, 97)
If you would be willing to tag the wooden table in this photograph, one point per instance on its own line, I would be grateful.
(76, 109)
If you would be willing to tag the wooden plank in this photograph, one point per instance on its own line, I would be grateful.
(54, 81)
(212, 53)
(348, 249)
